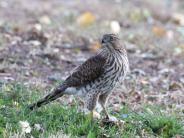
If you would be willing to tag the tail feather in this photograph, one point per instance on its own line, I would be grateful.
(58, 92)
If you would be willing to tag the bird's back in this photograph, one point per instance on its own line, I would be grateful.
(115, 68)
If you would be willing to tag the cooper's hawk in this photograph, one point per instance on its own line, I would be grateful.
(95, 79)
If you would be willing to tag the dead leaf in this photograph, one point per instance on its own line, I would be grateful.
(178, 18)
(175, 86)
(37, 27)
(95, 46)
(159, 31)
(86, 19)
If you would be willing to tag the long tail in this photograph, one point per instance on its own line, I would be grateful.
(57, 92)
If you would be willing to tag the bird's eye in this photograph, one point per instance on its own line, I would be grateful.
(111, 38)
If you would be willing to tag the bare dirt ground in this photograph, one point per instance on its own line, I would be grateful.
(41, 42)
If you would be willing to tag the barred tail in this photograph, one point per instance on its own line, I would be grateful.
(58, 92)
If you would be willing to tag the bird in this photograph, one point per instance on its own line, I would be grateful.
(95, 79)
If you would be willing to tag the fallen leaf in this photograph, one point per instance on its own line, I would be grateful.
(86, 19)
(95, 46)
(178, 18)
(159, 31)
(37, 27)
(175, 86)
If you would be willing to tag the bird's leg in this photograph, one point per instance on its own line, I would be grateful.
(91, 104)
(107, 116)
(102, 100)
(105, 111)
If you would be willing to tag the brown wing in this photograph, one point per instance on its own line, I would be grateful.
(87, 72)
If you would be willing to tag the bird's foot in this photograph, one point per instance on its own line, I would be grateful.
(96, 115)
(112, 120)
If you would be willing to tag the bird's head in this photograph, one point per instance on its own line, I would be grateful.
(111, 41)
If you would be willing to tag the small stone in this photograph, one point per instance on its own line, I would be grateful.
(35, 43)
(37, 27)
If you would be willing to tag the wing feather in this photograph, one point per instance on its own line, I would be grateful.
(87, 72)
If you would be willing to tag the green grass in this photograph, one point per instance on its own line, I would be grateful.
(53, 118)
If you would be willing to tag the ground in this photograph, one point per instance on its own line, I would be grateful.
(41, 42)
